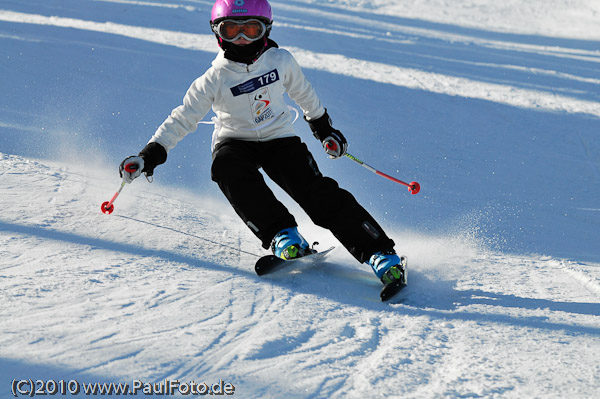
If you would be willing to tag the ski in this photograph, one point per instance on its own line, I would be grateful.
(270, 263)
(390, 290)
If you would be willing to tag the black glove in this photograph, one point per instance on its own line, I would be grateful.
(153, 154)
(333, 140)
(149, 158)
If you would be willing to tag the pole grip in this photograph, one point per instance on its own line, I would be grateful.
(131, 167)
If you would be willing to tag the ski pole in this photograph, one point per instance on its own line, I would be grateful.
(413, 187)
(107, 207)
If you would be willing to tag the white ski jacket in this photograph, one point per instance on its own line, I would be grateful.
(248, 100)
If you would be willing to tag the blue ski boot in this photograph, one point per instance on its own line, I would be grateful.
(289, 244)
(388, 267)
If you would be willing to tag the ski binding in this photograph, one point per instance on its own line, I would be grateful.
(391, 289)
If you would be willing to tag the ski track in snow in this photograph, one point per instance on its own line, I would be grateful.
(143, 295)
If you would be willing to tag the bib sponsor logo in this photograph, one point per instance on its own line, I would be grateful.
(260, 101)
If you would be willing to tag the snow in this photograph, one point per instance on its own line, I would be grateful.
(493, 107)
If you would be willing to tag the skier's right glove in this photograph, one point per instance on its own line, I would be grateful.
(131, 168)
(149, 158)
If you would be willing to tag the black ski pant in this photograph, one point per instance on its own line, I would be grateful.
(290, 165)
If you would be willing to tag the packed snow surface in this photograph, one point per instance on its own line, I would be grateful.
(493, 107)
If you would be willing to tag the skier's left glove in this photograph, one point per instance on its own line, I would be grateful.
(333, 140)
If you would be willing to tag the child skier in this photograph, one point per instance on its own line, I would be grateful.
(253, 129)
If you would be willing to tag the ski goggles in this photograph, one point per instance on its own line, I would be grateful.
(230, 29)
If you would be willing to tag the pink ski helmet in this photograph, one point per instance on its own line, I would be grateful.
(260, 9)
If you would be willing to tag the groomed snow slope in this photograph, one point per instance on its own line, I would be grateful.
(148, 293)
